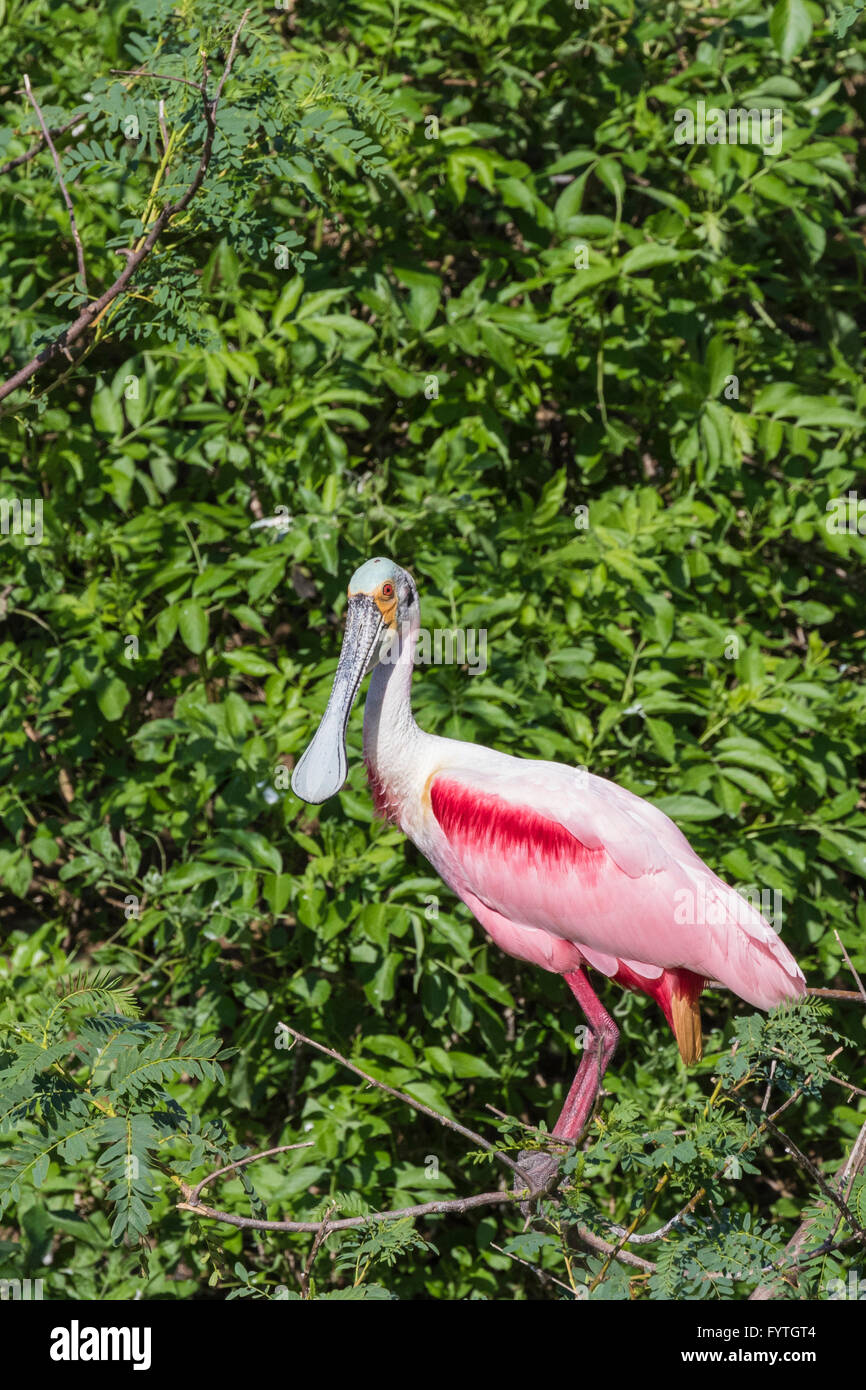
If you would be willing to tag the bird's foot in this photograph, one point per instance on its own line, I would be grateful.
(540, 1169)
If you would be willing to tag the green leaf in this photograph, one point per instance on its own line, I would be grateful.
(647, 256)
(193, 626)
(106, 412)
(113, 699)
(844, 848)
(266, 579)
(683, 807)
(790, 27)
(423, 301)
(249, 661)
(751, 783)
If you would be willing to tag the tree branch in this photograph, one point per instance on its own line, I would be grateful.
(860, 986)
(46, 135)
(161, 76)
(836, 993)
(457, 1205)
(851, 1168)
(34, 149)
(408, 1100)
(242, 1162)
(817, 1177)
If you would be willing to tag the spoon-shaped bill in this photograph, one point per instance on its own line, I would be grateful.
(323, 768)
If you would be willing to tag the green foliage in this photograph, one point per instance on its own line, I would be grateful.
(787, 1046)
(100, 1087)
(726, 1254)
(603, 394)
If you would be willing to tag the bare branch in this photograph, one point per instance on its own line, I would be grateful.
(851, 1168)
(242, 1162)
(836, 993)
(808, 1166)
(34, 149)
(409, 1100)
(458, 1206)
(161, 76)
(46, 135)
(860, 985)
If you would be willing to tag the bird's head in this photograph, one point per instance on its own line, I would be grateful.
(387, 586)
(382, 599)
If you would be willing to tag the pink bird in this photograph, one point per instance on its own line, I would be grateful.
(561, 868)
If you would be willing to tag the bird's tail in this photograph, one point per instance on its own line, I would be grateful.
(685, 1014)
(678, 993)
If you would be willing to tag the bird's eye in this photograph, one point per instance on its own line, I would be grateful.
(387, 590)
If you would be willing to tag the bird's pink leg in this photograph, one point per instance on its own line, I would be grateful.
(600, 1045)
(598, 1049)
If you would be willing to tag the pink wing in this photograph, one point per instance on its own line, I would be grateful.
(559, 866)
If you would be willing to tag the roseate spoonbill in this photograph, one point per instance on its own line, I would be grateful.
(561, 868)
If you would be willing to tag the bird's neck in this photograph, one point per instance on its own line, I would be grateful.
(390, 731)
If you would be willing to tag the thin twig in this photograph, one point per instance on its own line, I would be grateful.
(534, 1130)
(230, 59)
(542, 1274)
(861, 987)
(849, 1085)
(46, 135)
(163, 129)
(242, 1162)
(853, 1165)
(93, 311)
(409, 1100)
(809, 1167)
(34, 149)
(766, 1101)
(319, 1238)
(162, 76)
